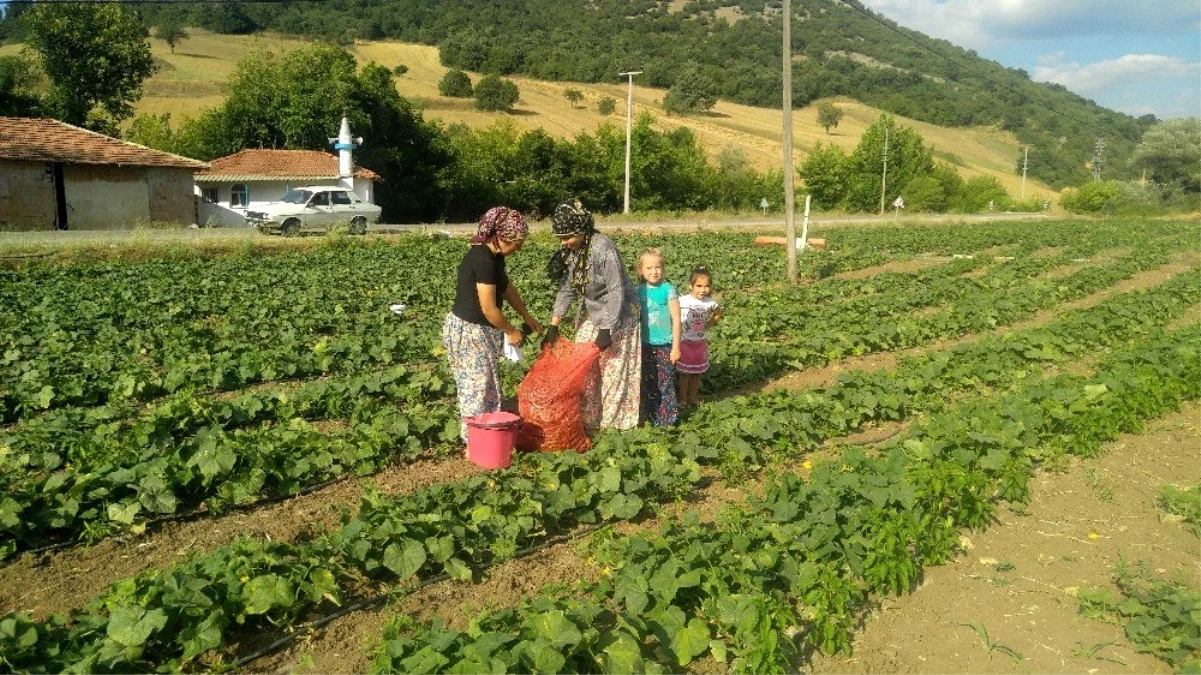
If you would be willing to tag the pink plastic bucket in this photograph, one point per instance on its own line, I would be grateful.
(491, 437)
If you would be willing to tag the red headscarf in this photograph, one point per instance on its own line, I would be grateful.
(501, 223)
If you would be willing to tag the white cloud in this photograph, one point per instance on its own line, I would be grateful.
(1167, 84)
(1134, 83)
(980, 24)
(1095, 77)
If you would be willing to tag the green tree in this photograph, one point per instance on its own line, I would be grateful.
(908, 157)
(230, 18)
(96, 58)
(828, 115)
(825, 173)
(606, 105)
(980, 191)
(455, 83)
(493, 94)
(692, 92)
(953, 187)
(154, 131)
(737, 186)
(1171, 153)
(19, 79)
(925, 193)
(573, 95)
(171, 32)
(669, 171)
(1094, 197)
(500, 165)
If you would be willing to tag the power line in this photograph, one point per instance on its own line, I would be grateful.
(952, 61)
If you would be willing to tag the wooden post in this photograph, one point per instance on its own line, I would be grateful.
(789, 189)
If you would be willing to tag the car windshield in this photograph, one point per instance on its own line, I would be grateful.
(297, 196)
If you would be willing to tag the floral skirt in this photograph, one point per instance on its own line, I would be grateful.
(660, 405)
(474, 354)
(612, 394)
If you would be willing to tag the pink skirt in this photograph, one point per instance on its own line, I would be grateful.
(694, 357)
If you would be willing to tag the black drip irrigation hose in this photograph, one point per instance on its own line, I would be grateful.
(313, 626)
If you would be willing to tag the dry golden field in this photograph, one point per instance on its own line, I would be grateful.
(192, 79)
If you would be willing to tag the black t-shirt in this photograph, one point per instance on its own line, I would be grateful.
(479, 266)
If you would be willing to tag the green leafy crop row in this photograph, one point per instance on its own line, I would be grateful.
(181, 453)
(765, 586)
(997, 299)
(90, 334)
(454, 527)
(192, 452)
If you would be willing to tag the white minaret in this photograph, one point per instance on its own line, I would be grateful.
(345, 145)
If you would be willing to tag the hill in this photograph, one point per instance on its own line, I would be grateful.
(842, 49)
(192, 78)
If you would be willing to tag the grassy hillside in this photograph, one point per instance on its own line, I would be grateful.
(191, 80)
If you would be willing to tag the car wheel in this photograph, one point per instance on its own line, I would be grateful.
(358, 225)
(291, 227)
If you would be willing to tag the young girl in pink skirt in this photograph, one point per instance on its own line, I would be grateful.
(698, 313)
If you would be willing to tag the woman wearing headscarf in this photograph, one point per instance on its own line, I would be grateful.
(475, 330)
(588, 266)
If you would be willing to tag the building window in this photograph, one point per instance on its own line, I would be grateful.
(210, 195)
(239, 196)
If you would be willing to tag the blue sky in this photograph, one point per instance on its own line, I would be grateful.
(1136, 56)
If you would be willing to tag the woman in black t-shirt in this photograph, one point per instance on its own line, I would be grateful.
(475, 330)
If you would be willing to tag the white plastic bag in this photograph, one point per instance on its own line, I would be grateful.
(513, 352)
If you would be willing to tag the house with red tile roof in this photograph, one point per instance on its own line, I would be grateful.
(254, 177)
(57, 176)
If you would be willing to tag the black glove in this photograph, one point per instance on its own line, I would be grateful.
(549, 337)
(604, 338)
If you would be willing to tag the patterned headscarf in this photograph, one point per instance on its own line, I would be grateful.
(571, 218)
(502, 224)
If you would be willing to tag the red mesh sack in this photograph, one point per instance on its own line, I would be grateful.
(548, 399)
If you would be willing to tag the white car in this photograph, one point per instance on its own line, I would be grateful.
(314, 208)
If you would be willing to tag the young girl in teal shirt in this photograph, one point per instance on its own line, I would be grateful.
(660, 340)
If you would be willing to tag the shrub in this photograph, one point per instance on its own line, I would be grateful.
(455, 83)
(496, 95)
(925, 193)
(1093, 197)
(607, 105)
(693, 91)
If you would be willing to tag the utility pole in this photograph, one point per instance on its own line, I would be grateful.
(884, 177)
(789, 188)
(1025, 163)
(629, 127)
(1098, 158)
